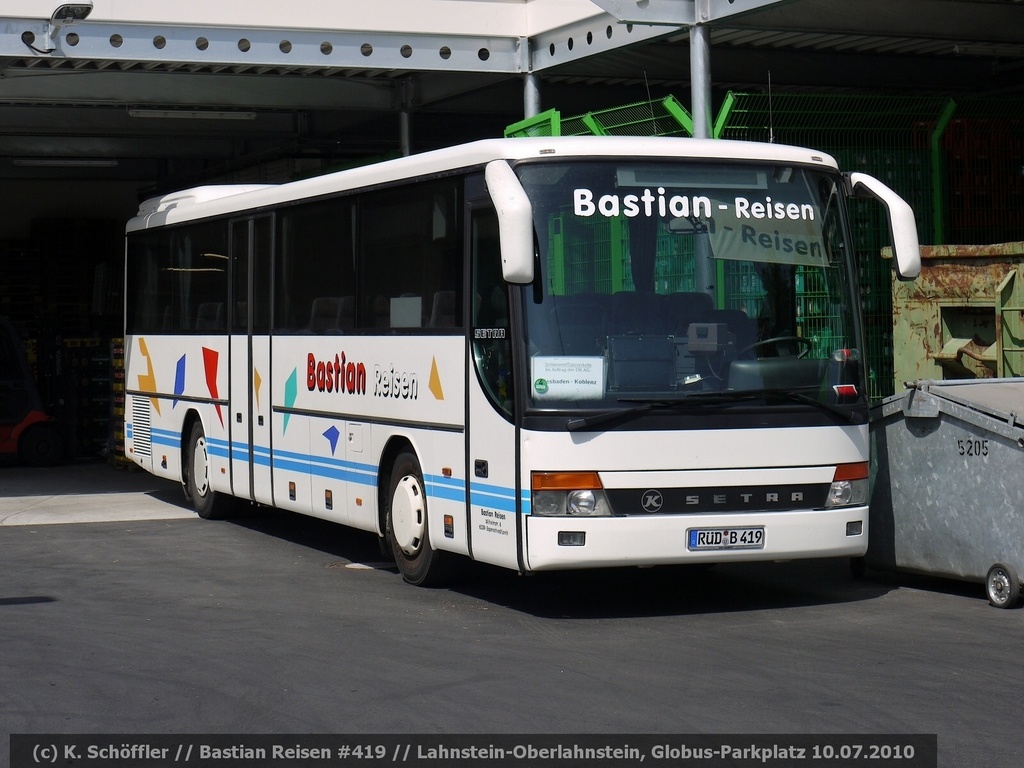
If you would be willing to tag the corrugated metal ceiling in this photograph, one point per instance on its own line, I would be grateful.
(327, 95)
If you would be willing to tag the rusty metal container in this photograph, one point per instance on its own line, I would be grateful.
(963, 317)
(947, 494)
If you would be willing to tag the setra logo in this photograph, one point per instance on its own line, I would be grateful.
(652, 501)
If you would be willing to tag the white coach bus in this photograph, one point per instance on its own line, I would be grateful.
(537, 353)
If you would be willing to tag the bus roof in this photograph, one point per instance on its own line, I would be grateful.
(213, 200)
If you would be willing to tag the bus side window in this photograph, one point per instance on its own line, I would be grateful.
(409, 256)
(314, 268)
(199, 260)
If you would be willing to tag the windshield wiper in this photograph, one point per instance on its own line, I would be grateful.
(792, 395)
(795, 396)
(644, 404)
(583, 422)
(708, 398)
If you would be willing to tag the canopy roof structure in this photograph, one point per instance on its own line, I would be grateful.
(172, 94)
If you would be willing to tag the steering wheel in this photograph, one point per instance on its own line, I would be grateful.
(777, 342)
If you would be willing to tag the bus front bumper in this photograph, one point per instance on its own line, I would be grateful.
(554, 543)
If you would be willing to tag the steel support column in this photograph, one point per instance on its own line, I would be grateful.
(406, 91)
(700, 80)
(531, 95)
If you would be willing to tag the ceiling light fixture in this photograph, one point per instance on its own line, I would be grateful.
(192, 114)
(63, 162)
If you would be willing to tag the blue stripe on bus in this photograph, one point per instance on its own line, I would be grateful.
(493, 497)
(218, 448)
(165, 437)
(441, 487)
(436, 486)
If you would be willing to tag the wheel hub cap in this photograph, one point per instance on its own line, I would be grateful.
(408, 515)
(200, 463)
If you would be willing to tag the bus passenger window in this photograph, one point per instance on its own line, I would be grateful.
(315, 266)
(410, 251)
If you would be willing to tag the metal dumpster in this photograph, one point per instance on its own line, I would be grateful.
(947, 494)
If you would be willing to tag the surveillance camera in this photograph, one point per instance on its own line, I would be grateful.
(70, 13)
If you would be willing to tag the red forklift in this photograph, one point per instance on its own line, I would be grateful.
(26, 429)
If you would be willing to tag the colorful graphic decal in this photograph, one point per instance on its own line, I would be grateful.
(210, 360)
(434, 385)
(147, 381)
(291, 392)
(332, 434)
(179, 381)
(257, 382)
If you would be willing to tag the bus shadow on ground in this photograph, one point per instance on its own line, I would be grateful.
(334, 539)
(680, 590)
(600, 593)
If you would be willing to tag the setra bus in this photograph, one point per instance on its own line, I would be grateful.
(536, 353)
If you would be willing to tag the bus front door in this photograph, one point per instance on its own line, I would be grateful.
(495, 529)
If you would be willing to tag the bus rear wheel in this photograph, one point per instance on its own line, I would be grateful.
(207, 503)
(406, 528)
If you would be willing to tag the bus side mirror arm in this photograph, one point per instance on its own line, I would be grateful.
(902, 224)
(515, 221)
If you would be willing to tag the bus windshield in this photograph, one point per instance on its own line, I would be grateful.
(659, 281)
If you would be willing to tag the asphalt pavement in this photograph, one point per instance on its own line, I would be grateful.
(122, 612)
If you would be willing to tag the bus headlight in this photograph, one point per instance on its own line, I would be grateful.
(568, 494)
(581, 502)
(850, 486)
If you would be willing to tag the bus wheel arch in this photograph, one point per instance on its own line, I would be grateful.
(402, 508)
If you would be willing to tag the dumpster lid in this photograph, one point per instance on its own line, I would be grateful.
(1003, 399)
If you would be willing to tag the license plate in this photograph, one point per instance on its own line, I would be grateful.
(724, 538)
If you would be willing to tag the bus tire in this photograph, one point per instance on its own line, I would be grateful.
(207, 503)
(406, 529)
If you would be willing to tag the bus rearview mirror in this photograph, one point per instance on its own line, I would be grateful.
(515, 221)
(902, 224)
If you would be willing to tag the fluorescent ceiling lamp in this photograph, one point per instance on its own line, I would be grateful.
(63, 162)
(192, 114)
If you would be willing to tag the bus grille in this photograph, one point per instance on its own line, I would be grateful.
(142, 434)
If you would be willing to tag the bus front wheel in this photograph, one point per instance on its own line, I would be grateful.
(407, 532)
(208, 504)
